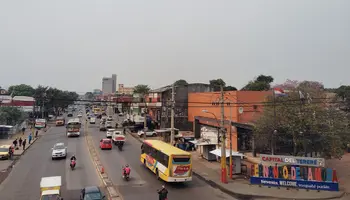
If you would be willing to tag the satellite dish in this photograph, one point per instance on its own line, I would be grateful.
(240, 110)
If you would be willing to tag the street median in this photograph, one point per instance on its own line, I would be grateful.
(113, 193)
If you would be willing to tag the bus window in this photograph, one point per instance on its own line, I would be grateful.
(181, 159)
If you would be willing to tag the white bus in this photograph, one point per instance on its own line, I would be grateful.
(40, 123)
(73, 127)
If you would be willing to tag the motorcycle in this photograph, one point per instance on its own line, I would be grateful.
(120, 145)
(126, 176)
(72, 164)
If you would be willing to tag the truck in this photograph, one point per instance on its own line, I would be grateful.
(50, 188)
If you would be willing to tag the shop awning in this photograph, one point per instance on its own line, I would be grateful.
(217, 152)
(201, 143)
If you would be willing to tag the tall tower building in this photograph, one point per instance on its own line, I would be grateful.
(109, 84)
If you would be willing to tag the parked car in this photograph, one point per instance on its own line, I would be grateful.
(59, 151)
(141, 133)
(91, 192)
(106, 144)
(4, 151)
(109, 133)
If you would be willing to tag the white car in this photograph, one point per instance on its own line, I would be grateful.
(121, 114)
(80, 115)
(92, 120)
(141, 133)
(109, 124)
(109, 133)
(110, 118)
(59, 151)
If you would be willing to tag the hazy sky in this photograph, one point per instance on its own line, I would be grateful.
(72, 44)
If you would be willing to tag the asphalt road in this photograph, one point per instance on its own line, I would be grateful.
(143, 183)
(24, 181)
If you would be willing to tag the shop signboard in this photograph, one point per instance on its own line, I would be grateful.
(292, 160)
(295, 172)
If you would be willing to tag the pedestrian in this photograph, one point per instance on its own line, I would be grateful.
(30, 138)
(24, 144)
(15, 143)
(36, 133)
(163, 193)
(10, 152)
(20, 141)
(23, 130)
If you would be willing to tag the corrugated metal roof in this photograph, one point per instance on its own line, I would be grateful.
(23, 98)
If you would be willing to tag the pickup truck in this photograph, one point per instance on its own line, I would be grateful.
(50, 188)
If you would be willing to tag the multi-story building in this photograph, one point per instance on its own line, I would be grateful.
(125, 90)
(158, 104)
(97, 92)
(109, 84)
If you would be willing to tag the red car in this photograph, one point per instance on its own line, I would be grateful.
(106, 144)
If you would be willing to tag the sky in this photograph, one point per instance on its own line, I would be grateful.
(71, 45)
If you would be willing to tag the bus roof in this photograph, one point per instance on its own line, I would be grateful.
(165, 147)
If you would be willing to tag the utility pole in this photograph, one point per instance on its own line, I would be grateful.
(223, 138)
(231, 162)
(172, 135)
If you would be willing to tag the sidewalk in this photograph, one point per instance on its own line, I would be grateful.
(241, 189)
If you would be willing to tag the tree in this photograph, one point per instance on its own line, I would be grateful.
(261, 83)
(21, 90)
(89, 95)
(302, 127)
(141, 89)
(343, 93)
(11, 115)
(180, 82)
(217, 83)
(230, 88)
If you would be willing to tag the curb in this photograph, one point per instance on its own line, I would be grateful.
(234, 194)
(112, 191)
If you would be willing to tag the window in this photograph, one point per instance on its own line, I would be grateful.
(181, 160)
(150, 100)
(158, 155)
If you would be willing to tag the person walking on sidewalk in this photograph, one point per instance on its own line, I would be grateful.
(15, 143)
(23, 130)
(24, 144)
(30, 138)
(36, 133)
(11, 152)
(20, 142)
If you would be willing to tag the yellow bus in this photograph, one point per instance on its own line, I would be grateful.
(169, 163)
(97, 110)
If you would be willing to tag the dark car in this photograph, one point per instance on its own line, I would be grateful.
(91, 193)
(70, 115)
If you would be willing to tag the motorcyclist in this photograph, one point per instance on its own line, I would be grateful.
(73, 158)
(126, 170)
(163, 193)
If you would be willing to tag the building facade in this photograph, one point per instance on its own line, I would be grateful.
(241, 110)
(109, 84)
(181, 104)
(125, 90)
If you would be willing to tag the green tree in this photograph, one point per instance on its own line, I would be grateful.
(89, 95)
(230, 88)
(181, 82)
(21, 90)
(11, 115)
(261, 83)
(308, 126)
(141, 89)
(217, 83)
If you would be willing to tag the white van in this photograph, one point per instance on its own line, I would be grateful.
(92, 120)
